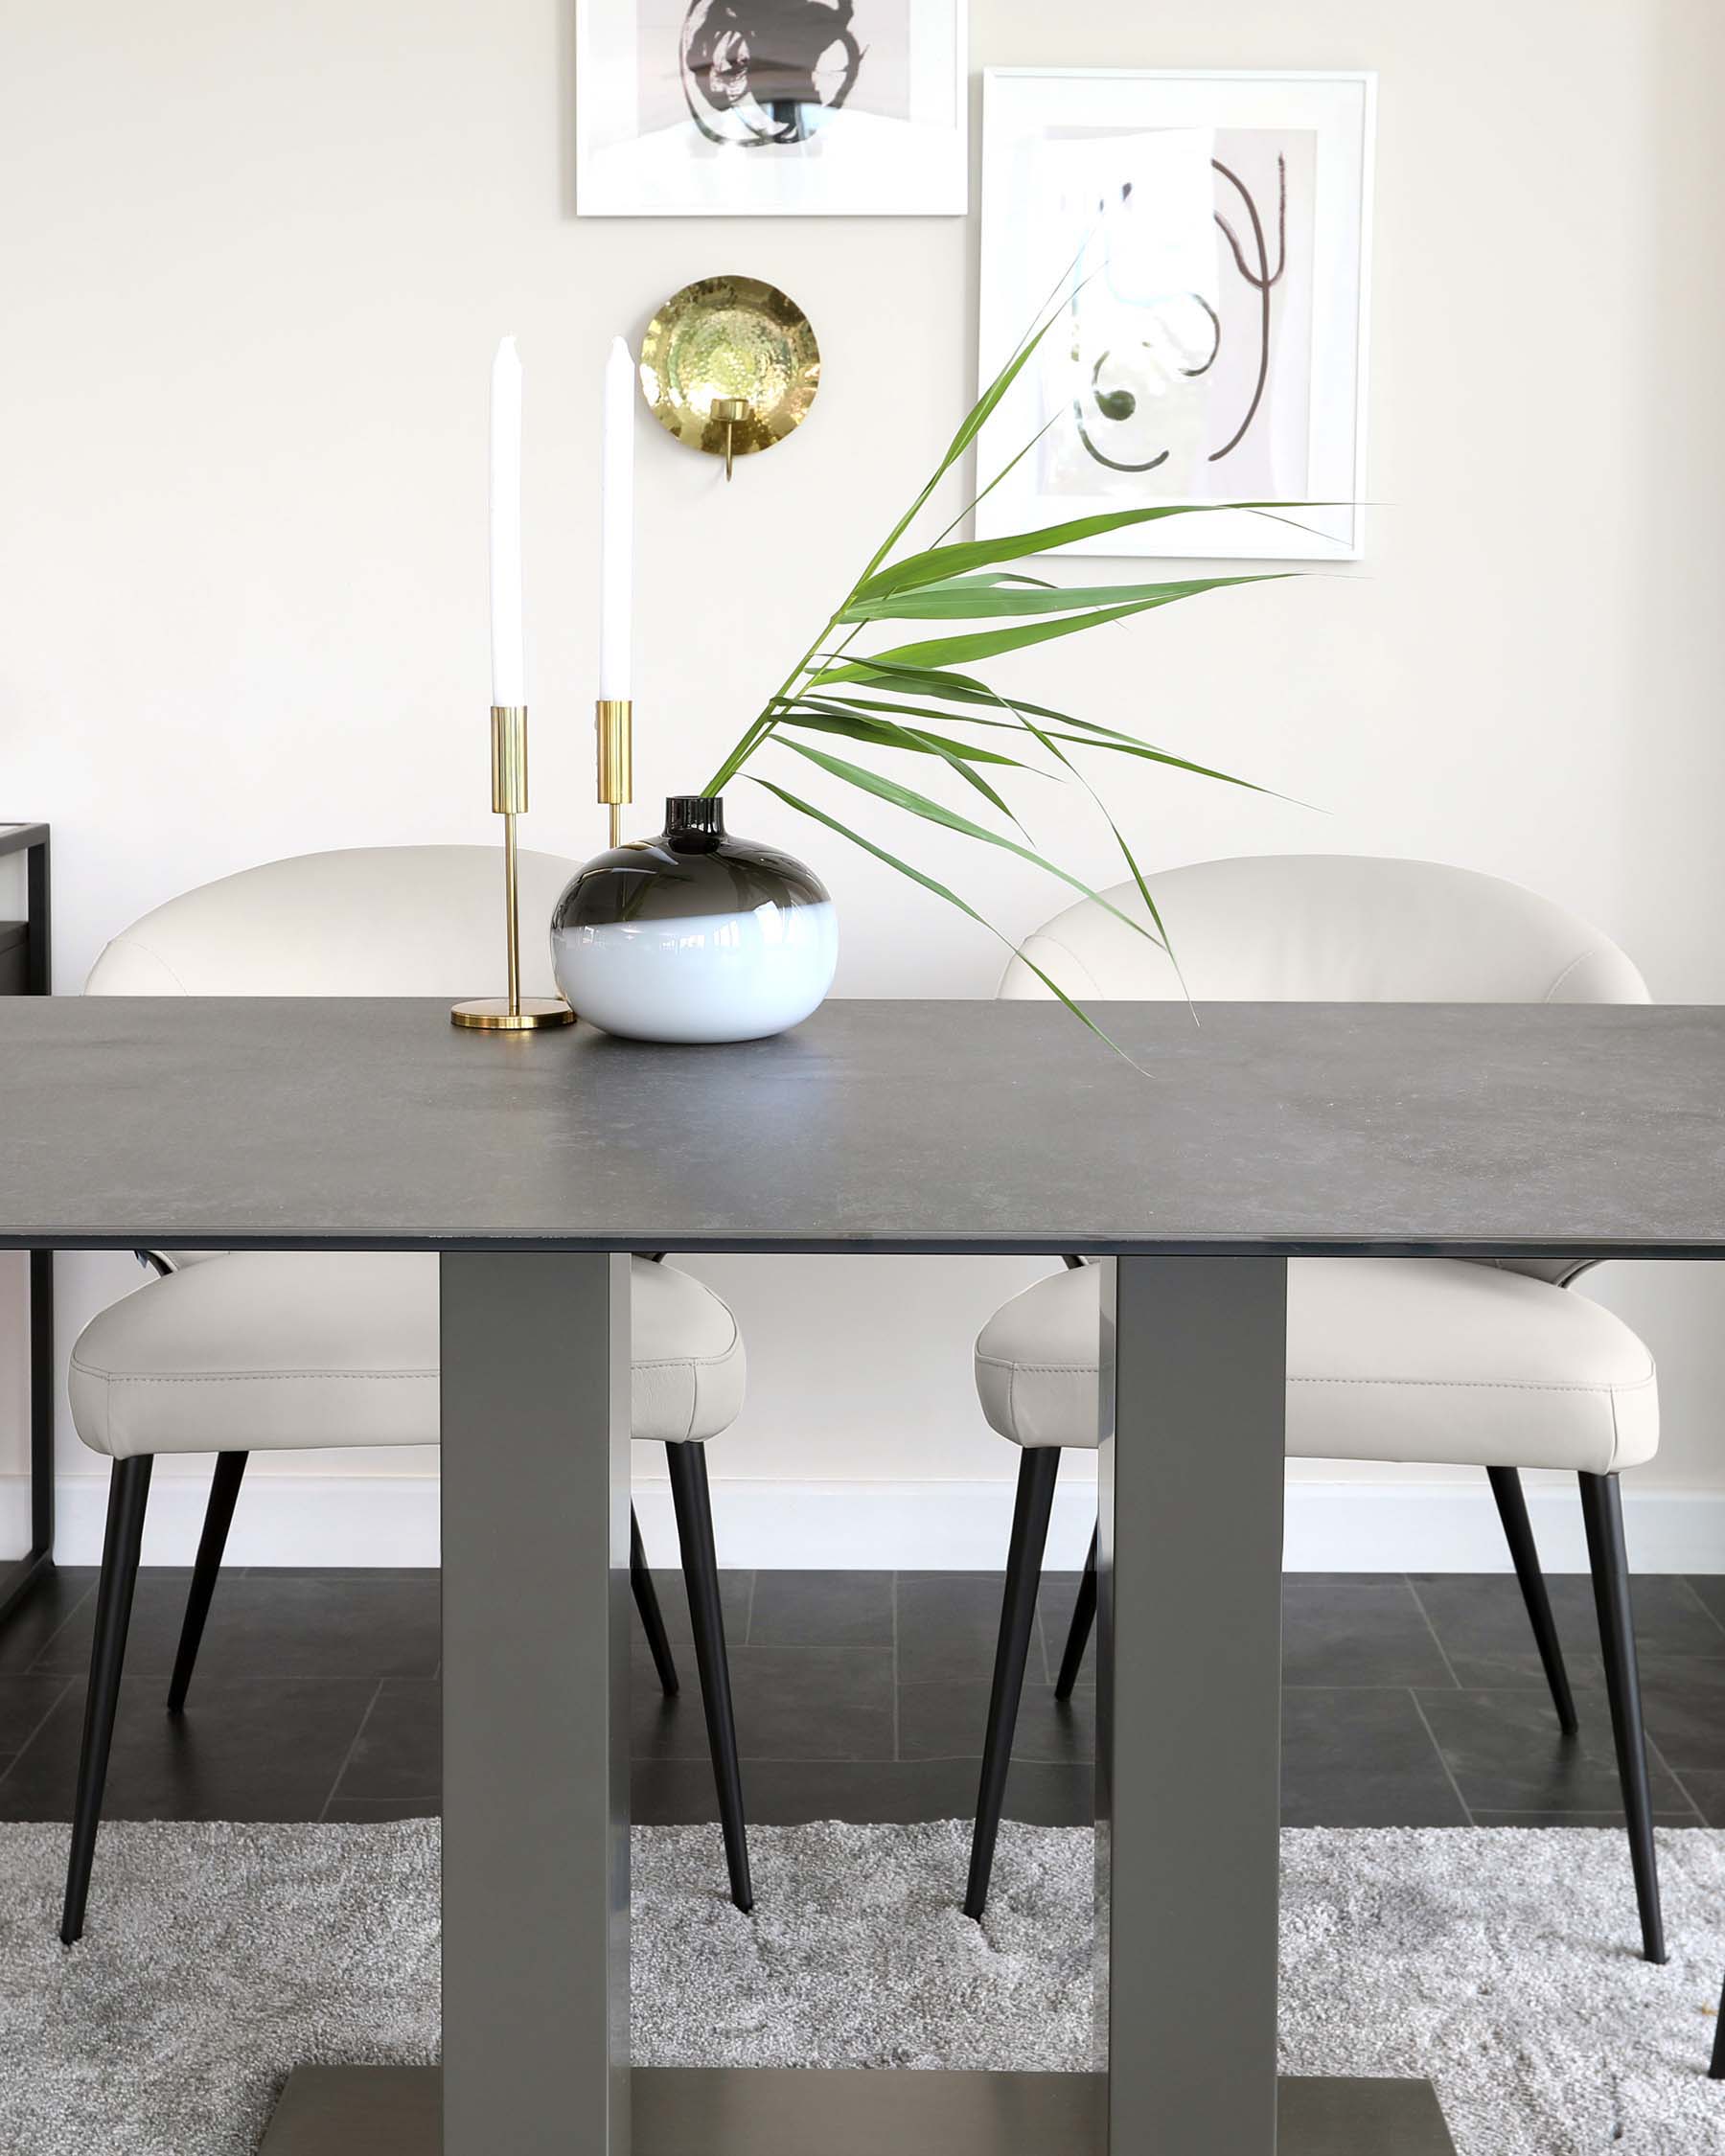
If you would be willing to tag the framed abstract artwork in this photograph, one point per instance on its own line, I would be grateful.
(771, 108)
(1203, 243)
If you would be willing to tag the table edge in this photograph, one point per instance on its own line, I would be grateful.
(1052, 1243)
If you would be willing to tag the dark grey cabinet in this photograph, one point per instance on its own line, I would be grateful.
(25, 970)
(14, 957)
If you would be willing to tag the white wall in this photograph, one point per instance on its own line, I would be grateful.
(255, 260)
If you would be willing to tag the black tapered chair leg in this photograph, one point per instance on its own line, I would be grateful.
(1078, 1632)
(701, 1571)
(647, 1602)
(1602, 1511)
(1038, 1471)
(1518, 1532)
(128, 1496)
(218, 1517)
(1716, 2071)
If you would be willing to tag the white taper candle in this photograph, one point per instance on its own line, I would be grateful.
(509, 666)
(617, 522)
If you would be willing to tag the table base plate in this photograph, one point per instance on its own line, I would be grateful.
(396, 2111)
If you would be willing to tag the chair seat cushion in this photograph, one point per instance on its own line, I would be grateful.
(276, 1350)
(1389, 1359)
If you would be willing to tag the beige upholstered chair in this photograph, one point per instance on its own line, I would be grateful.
(1398, 1359)
(247, 1352)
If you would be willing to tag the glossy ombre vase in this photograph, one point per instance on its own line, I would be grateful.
(694, 935)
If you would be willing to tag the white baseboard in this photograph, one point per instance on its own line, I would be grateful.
(281, 1519)
(946, 1527)
(1332, 1527)
(1454, 1527)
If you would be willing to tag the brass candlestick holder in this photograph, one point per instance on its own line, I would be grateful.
(614, 720)
(513, 1013)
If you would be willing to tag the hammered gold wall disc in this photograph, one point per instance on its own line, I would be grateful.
(723, 339)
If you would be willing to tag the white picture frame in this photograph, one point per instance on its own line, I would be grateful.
(1204, 290)
(667, 123)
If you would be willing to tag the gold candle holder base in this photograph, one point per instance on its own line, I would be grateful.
(514, 1013)
(494, 1014)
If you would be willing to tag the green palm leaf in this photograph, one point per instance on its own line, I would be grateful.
(952, 687)
(920, 691)
(940, 890)
(944, 682)
(989, 643)
(974, 421)
(933, 811)
(993, 577)
(966, 690)
(936, 563)
(1126, 855)
(931, 745)
(827, 719)
(1105, 738)
(965, 600)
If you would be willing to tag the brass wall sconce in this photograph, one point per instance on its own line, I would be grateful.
(730, 366)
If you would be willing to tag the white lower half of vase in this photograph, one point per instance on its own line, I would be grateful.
(711, 976)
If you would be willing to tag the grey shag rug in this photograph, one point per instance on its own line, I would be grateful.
(1496, 1963)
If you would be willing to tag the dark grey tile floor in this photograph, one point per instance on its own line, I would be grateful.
(1409, 1701)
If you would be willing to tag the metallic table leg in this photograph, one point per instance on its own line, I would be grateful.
(535, 1615)
(536, 1377)
(1189, 1701)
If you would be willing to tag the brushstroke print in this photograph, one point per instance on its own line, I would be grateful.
(761, 72)
(1188, 347)
(1109, 400)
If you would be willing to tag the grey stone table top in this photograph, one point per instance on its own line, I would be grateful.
(1481, 1130)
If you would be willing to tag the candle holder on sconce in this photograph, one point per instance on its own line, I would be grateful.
(513, 1013)
(731, 412)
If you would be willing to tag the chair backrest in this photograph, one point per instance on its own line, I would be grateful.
(1330, 928)
(374, 920)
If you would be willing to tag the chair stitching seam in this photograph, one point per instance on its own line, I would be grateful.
(132, 944)
(683, 1361)
(1610, 1389)
(700, 1362)
(278, 1377)
(1457, 1385)
(237, 1377)
(1580, 959)
(1072, 957)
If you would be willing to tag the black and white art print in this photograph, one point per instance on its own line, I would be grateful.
(771, 108)
(1201, 244)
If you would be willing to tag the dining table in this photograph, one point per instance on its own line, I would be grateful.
(1192, 1154)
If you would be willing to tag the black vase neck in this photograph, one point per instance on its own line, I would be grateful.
(694, 815)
